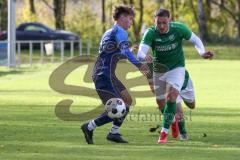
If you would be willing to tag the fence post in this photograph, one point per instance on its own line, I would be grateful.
(52, 58)
(41, 52)
(72, 49)
(19, 53)
(80, 47)
(62, 50)
(30, 51)
(88, 47)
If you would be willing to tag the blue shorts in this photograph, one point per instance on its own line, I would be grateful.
(108, 87)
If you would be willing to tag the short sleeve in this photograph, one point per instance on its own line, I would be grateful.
(148, 37)
(122, 38)
(186, 32)
(123, 45)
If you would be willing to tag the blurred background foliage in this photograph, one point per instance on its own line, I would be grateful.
(215, 21)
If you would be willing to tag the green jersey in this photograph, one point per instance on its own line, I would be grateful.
(167, 48)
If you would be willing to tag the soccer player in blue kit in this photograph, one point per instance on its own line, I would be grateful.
(114, 46)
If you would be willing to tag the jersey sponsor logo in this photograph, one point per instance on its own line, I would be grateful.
(170, 38)
(166, 47)
(163, 40)
(159, 40)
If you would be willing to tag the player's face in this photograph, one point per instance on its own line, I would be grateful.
(162, 24)
(126, 21)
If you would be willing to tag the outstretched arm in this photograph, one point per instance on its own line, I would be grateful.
(200, 47)
(126, 51)
(142, 53)
(124, 46)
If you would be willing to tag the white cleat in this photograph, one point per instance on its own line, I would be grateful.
(184, 137)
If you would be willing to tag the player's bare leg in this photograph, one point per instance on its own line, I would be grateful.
(169, 112)
(159, 89)
(190, 105)
(126, 97)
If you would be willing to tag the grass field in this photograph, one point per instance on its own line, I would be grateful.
(29, 128)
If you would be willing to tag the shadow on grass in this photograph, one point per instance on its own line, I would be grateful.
(5, 73)
(216, 112)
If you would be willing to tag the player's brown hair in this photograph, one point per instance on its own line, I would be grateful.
(122, 10)
(162, 12)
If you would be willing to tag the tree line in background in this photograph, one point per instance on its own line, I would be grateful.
(213, 20)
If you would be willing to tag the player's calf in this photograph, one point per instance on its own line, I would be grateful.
(190, 105)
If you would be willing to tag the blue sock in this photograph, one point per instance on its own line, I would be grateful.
(102, 119)
(118, 122)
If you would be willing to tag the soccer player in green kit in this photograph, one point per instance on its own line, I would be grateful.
(165, 40)
(186, 95)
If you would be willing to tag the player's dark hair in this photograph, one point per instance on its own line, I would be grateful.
(162, 12)
(122, 10)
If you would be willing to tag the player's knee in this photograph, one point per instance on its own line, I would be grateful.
(126, 98)
(161, 103)
(172, 95)
(128, 101)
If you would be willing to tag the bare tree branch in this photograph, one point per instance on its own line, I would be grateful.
(47, 4)
(222, 6)
(32, 7)
(202, 21)
(103, 17)
(172, 9)
(137, 26)
(124, 2)
(194, 12)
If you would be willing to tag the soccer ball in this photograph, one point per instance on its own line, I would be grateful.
(115, 108)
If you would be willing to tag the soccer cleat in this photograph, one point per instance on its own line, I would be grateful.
(88, 134)
(162, 138)
(175, 129)
(116, 138)
(184, 137)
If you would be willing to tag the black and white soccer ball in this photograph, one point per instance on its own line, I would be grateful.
(115, 108)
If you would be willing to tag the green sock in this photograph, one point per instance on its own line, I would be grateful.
(169, 114)
(181, 125)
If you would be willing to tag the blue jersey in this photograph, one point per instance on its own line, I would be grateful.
(113, 47)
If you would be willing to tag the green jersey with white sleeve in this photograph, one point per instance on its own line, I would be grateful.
(167, 48)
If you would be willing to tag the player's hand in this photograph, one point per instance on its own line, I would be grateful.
(148, 59)
(145, 70)
(208, 55)
(134, 48)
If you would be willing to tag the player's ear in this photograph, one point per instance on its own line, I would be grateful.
(154, 19)
(170, 19)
